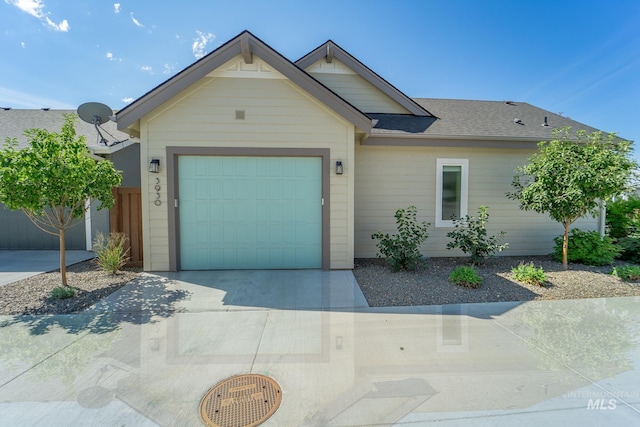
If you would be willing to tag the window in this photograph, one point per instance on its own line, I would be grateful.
(452, 181)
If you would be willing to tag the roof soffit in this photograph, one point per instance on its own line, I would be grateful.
(249, 46)
(330, 50)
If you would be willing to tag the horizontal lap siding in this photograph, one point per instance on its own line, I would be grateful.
(359, 92)
(17, 232)
(388, 178)
(277, 115)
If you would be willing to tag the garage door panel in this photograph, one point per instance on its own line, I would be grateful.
(258, 212)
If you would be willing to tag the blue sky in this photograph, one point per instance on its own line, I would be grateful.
(578, 58)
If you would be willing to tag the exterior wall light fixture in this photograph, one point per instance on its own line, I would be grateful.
(154, 165)
(339, 167)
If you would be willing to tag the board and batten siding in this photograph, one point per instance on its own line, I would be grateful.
(278, 114)
(354, 88)
(388, 178)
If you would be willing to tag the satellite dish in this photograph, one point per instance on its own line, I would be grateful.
(97, 114)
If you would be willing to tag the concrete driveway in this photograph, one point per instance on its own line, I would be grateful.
(147, 355)
(18, 265)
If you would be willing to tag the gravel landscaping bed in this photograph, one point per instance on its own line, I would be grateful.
(32, 295)
(430, 285)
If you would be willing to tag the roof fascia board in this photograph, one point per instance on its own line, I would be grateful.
(443, 141)
(245, 44)
(331, 50)
(312, 86)
(165, 91)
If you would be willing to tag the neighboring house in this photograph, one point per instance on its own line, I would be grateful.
(16, 230)
(266, 163)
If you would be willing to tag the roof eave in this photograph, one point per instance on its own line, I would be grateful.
(400, 139)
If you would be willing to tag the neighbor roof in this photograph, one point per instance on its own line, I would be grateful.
(245, 44)
(14, 122)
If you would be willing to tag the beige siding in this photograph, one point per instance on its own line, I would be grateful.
(354, 88)
(277, 115)
(388, 178)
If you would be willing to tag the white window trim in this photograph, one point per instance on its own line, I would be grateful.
(464, 189)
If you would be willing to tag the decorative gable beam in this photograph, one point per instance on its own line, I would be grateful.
(329, 56)
(245, 48)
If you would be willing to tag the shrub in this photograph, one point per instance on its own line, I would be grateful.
(471, 237)
(402, 250)
(623, 217)
(586, 247)
(628, 273)
(111, 254)
(63, 292)
(465, 276)
(629, 248)
(528, 273)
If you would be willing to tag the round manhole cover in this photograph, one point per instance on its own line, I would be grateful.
(241, 401)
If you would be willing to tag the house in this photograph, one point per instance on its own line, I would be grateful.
(268, 163)
(16, 230)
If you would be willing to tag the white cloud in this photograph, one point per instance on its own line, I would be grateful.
(32, 7)
(147, 68)
(23, 45)
(116, 7)
(36, 8)
(200, 43)
(63, 26)
(127, 100)
(111, 57)
(168, 69)
(135, 21)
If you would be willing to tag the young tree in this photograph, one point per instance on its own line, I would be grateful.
(570, 176)
(52, 179)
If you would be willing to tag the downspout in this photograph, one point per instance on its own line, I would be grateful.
(603, 218)
(87, 225)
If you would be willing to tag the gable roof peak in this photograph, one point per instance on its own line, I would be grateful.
(330, 49)
(247, 45)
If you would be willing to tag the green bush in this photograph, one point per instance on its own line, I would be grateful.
(465, 276)
(402, 250)
(111, 252)
(587, 247)
(629, 248)
(63, 292)
(471, 237)
(529, 273)
(628, 273)
(623, 217)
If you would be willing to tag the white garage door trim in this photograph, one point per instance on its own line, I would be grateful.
(173, 154)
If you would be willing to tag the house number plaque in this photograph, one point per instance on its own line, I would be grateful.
(157, 202)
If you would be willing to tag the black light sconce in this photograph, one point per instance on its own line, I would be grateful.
(154, 166)
(339, 167)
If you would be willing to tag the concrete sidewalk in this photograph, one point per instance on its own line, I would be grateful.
(18, 265)
(147, 355)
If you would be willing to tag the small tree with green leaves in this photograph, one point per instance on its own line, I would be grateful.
(470, 235)
(52, 179)
(402, 250)
(570, 176)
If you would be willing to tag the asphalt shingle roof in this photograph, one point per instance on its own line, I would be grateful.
(14, 122)
(482, 119)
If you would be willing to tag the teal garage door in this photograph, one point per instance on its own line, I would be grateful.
(250, 212)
